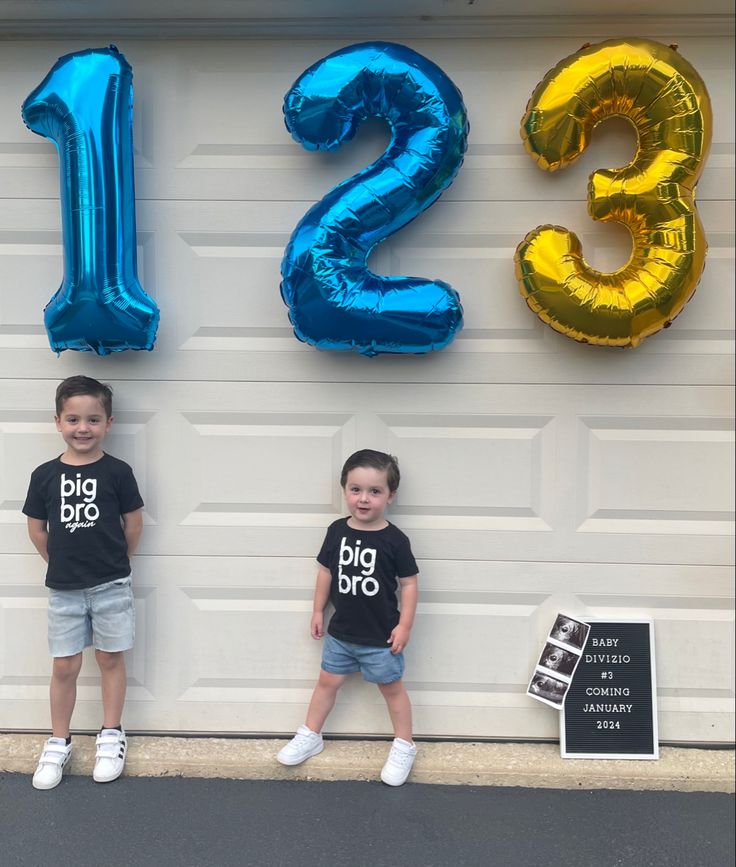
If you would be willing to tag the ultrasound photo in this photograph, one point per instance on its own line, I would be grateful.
(562, 652)
(569, 631)
(547, 688)
(558, 659)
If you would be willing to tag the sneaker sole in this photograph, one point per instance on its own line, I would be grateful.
(108, 779)
(389, 783)
(292, 764)
(45, 788)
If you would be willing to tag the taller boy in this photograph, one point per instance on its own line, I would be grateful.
(360, 560)
(84, 517)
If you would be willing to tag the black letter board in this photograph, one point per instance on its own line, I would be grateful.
(610, 709)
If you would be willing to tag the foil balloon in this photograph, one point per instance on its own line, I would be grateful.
(85, 106)
(335, 301)
(665, 99)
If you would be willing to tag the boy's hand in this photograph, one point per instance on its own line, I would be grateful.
(316, 625)
(399, 638)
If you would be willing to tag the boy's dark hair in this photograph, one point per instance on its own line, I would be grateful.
(74, 386)
(376, 460)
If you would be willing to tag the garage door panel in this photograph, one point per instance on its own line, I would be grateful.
(24, 660)
(697, 665)
(510, 477)
(30, 269)
(656, 470)
(464, 646)
(226, 291)
(236, 653)
(238, 483)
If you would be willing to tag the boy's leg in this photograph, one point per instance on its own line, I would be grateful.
(307, 741)
(63, 692)
(113, 624)
(112, 613)
(399, 708)
(323, 699)
(403, 750)
(114, 681)
(111, 742)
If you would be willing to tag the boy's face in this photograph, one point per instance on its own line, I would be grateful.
(83, 426)
(367, 495)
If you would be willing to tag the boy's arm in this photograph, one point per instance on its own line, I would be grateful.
(132, 529)
(321, 595)
(399, 637)
(38, 532)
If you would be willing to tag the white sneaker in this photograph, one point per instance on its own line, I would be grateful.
(56, 753)
(304, 744)
(110, 758)
(399, 762)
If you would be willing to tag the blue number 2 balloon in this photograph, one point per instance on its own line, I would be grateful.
(85, 106)
(335, 301)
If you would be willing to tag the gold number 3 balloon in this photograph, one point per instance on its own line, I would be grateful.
(654, 196)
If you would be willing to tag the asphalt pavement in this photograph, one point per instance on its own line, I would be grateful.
(140, 821)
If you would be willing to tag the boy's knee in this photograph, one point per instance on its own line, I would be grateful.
(396, 687)
(67, 667)
(331, 681)
(109, 660)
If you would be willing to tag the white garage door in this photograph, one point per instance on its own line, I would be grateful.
(539, 475)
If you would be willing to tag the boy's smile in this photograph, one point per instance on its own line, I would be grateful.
(83, 426)
(367, 495)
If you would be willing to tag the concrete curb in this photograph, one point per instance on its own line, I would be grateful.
(456, 763)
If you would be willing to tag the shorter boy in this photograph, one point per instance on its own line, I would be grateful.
(84, 517)
(361, 558)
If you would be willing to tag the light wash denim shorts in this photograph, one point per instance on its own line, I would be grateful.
(103, 615)
(376, 664)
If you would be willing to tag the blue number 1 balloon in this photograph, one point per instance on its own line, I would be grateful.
(335, 301)
(85, 106)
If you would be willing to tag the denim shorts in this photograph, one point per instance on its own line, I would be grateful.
(377, 664)
(103, 615)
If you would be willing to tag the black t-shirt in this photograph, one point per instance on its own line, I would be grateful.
(83, 505)
(364, 566)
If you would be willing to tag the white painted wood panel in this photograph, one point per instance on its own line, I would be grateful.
(539, 474)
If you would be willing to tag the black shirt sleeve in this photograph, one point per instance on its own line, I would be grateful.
(129, 496)
(324, 556)
(35, 504)
(406, 565)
